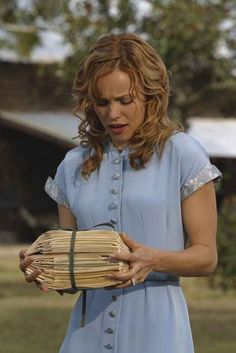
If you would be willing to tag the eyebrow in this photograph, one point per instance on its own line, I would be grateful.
(118, 97)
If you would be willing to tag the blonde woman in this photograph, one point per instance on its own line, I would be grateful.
(138, 170)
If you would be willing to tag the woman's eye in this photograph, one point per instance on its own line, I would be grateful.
(102, 102)
(126, 101)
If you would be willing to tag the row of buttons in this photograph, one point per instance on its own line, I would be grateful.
(109, 330)
(112, 207)
(116, 176)
(114, 190)
(116, 161)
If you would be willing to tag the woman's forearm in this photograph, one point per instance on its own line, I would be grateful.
(197, 260)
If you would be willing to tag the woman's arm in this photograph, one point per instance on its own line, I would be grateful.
(200, 221)
(66, 218)
(200, 258)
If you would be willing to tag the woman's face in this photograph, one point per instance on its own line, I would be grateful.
(119, 112)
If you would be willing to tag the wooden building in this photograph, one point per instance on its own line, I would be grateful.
(32, 145)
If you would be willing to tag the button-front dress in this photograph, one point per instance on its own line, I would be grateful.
(151, 317)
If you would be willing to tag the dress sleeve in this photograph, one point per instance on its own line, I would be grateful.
(196, 168)
(56, 188)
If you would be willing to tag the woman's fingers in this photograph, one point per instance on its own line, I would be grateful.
(122, 256)
(33, 276)
(132, 244)
(129, 283)
(24, 263)
(124, 276)
(22, 254)
(42, 286)
(125, 284)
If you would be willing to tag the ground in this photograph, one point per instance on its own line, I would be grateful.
(31, 320)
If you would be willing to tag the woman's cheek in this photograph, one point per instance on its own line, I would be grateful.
(100, 113)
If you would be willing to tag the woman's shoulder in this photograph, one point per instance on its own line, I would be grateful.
(183, 143)
(76, 152)
(73, 160)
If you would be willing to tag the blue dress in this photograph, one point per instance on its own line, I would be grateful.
(151, 317)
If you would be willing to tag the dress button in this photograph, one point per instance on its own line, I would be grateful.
(114, 191)
(108, 346)
(116, 161)
(112, 206)
(114, 298)
(112, 313)
(109, 330)
(116, 176)
(113, 221)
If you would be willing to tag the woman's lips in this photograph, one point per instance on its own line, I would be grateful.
(117, 129)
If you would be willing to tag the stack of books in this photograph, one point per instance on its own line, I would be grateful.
(78, 259)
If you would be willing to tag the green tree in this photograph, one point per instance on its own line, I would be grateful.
(186, 33)
(225, 275)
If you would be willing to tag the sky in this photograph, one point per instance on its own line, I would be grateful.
(52, 47)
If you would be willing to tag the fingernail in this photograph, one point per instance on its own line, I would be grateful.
(112, 257)
(109, 276)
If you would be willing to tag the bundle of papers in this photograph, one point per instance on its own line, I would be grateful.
(91, 258)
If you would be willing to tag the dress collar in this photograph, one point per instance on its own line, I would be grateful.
(110, 148)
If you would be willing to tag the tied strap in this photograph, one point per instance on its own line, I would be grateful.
(72, 259)
(72, 252)
(72, 276)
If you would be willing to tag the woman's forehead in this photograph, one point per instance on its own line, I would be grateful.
(114, 84)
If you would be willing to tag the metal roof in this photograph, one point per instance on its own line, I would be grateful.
(59, 127)
(217, 135)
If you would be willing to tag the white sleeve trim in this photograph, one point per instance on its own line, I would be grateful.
(53, 190)
(206, 174)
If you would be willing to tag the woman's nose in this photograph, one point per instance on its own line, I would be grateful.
(113, 110)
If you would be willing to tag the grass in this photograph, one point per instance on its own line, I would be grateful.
(33, 321)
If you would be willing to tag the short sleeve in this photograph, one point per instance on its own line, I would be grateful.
(56, 188)
(196, 168)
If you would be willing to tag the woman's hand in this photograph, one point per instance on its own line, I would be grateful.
(141, 261)
(25, 261)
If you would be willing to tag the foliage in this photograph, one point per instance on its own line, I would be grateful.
(226, 273)
(187, 34)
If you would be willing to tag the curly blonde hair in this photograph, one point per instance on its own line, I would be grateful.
(148, 75)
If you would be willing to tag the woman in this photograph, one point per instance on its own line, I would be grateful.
(138, 170)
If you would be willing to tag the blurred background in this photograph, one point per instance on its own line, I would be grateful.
(41, 44)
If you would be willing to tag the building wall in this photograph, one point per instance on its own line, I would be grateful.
(26, 162)
(32, 87)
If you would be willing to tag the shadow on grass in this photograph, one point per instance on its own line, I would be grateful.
(33, 330)
(214, 330)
